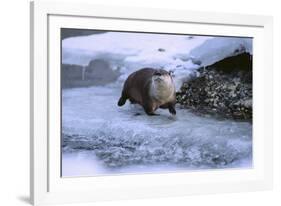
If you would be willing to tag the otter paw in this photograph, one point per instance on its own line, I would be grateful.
(172, 111)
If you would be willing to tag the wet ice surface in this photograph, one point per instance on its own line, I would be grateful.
(101, 138)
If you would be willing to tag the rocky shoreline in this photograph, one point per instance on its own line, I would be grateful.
(223, 89)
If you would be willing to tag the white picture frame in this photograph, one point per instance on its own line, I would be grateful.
(46, 184)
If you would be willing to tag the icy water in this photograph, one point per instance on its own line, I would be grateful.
(101, 138)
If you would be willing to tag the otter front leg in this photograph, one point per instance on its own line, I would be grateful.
(149, 109)
(170, 106)
(172, 109)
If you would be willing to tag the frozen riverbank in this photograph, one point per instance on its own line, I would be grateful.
(113, 139)
(101, 138)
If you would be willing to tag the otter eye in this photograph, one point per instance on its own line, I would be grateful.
(157, 73)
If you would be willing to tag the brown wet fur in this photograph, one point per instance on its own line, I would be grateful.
(137, 89)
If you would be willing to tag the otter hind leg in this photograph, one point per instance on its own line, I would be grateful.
(132, 101)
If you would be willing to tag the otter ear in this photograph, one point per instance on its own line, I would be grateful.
(171, 73)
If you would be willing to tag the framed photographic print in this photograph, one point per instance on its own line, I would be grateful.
(126, 105)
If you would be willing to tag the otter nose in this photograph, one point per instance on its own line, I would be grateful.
(157, 73)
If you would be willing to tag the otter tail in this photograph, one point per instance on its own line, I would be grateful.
(121, 101)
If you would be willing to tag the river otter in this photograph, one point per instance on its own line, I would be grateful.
(151, 88)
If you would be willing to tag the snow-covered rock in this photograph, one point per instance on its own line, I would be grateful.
(216, 49)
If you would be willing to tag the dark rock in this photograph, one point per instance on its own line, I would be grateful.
(234, 64)
(223, 89)
(71, 76)
(98, 72)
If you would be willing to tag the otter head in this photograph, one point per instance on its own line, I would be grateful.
(161, 76)
(162, 88)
